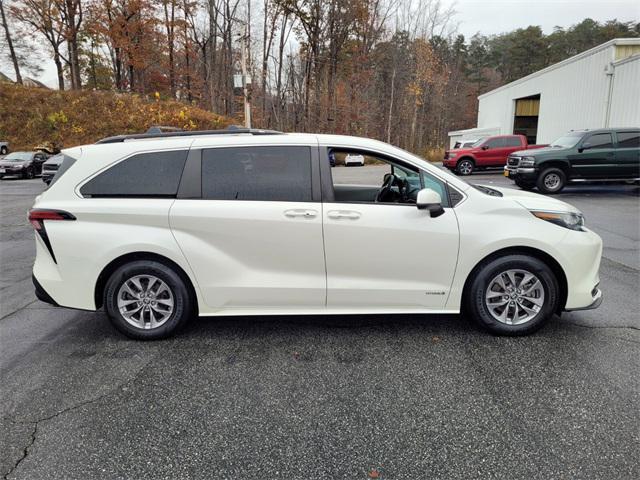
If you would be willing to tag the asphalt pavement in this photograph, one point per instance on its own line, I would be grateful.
(382, 396)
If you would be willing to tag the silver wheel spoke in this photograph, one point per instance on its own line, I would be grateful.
(514, 296)
(148, 311)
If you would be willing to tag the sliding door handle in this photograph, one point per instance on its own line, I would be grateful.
(300, 212)
(338, 214)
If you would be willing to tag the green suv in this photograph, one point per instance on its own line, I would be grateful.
(578, 156)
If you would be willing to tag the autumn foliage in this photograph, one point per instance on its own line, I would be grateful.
(31, 116)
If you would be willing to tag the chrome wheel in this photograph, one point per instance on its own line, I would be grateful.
(465, 167)
(514, 297)
(552, 181)
(145, 301)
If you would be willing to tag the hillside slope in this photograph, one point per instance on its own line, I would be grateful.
(32, 116)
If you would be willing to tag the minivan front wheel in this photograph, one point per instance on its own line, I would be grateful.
(147, 300)
(513, 295)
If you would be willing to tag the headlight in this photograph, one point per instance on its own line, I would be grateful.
(453, 155)
(570, 220)
(527, 162)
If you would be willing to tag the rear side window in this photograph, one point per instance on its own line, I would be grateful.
(600, 140)
(257, 173)
(155, 174)
(513, 142)
(628, 139)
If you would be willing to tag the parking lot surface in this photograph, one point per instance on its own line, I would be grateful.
(383, 396)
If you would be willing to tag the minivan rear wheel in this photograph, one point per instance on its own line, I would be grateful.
(147, 300)
(513, 295)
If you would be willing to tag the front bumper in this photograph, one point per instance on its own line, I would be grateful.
(597, 300)
(524, 174)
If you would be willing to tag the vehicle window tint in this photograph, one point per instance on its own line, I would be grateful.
(495, 143)
(629, 139)
(600, 140)
(155, 174)
(257, 173)
(513, 142)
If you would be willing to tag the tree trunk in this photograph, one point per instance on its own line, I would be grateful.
(12, 52)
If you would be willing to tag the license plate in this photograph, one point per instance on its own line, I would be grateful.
(506, 173)
(1, 170)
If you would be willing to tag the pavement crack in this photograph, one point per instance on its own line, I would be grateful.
(25, 451)
(37, 422)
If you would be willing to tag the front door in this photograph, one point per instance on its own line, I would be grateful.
(595, 157)
(383, 252)
(492, 154)
(254, 238)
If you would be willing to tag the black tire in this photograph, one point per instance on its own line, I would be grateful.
(465, 166)
(28, 173)
(183, 301)
(3, 150)
(552, 180)
(525, 186)
(476, 305)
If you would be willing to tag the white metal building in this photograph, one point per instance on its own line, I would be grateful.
(597, 88)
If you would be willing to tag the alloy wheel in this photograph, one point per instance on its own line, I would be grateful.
(465, 167)
(145, 301)
(552, 181)
(515, 297)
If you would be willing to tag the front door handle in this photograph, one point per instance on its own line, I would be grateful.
(338, 214)
(301, 212)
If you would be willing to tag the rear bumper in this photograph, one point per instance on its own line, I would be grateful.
(41, 293)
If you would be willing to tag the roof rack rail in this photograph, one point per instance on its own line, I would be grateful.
(156, 132)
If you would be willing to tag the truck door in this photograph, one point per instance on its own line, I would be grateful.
(595, 157)
(628, 153)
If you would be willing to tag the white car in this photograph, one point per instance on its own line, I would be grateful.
(354, 159)
(163, 227)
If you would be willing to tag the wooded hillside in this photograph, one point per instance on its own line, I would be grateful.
(396, 70)
(31, 116)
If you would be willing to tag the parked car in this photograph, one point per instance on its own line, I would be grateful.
(354, 159)
(23, 164)
(50, 168)
(579, 156)
(489, 152)
(4, 148)
(157, 228)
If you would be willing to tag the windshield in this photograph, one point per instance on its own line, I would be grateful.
(567, 141)
(17, 157)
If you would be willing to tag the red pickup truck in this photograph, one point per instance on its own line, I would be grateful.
(488, 152)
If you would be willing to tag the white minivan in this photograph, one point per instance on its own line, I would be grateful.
(159, 228)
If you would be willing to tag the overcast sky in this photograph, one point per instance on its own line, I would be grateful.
(488, 17)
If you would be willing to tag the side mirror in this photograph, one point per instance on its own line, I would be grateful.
(485, 147)
(584, 146)
(429, 199)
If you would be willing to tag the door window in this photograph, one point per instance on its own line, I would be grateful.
(512, 142)
(278, 173)
(381, 180)
(599, 140)
(495, 143)
(628, 139)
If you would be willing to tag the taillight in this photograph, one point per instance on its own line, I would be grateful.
(38, 215)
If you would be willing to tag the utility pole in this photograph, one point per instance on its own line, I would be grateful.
(245, 90)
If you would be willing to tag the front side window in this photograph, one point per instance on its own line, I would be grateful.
(629, 139)
(153, 174)
(381, 180)
(495, 143)
(600, 140)
(273, 173)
